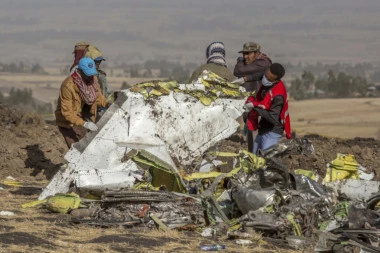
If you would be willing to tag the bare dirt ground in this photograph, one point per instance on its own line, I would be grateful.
(32, 150)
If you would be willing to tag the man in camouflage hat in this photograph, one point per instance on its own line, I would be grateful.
(250, 68)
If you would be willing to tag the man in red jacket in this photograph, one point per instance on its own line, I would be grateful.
(275, 119)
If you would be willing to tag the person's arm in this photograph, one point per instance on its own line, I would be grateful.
(67, 109)
(260, 67)
(254, 70)
(102, 101)
(251, 99)
(256, 76)
(240, 69)
(273, 114)
(195, 75)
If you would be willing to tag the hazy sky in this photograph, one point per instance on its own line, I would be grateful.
(137, 30)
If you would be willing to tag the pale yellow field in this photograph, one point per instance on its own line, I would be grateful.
(345, 118)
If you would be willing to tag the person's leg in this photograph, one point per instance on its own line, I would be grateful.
(270, 139)
(72, 135)
(69, 135)
(250, 140)
(80, 132)
(257, 144)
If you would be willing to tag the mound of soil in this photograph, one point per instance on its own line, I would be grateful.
(365, 150)
(28, 145)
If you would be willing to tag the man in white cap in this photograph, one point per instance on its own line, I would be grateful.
(78, 100)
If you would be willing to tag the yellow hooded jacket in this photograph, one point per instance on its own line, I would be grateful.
(70, 104)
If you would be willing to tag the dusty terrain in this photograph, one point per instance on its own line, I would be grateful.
(32, 150)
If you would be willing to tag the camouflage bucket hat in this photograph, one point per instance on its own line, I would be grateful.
(93, 52)
(81, 45)
(250, 47)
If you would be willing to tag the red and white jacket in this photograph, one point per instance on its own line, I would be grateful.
(278, 90)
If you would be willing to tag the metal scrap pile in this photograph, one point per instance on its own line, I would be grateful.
(126, 175)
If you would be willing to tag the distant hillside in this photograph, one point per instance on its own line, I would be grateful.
(137, 30)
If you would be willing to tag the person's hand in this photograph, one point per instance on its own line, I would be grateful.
(239, 81)
(90, 126)
(248, 107)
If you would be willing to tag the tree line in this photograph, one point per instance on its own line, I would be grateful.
(331, 85)
(20, 67)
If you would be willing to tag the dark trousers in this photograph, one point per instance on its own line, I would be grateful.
(72, 135)
(249, 133)
(250, 140)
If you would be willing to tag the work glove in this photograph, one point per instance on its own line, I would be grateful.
(248, 107)
(238, 81)
(90, 126)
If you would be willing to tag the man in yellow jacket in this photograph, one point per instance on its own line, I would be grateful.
(78, 100)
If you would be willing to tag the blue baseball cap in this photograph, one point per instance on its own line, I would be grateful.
(87, 65)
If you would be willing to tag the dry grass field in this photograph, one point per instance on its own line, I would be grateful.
(344, 118)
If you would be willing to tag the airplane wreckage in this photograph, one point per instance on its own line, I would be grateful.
(151, 163)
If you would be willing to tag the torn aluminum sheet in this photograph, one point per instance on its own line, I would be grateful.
(364, 175)
(114, 179)
(263, 221)
(307, 187)
(174, 126)
(355, 189)
(250, 200)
